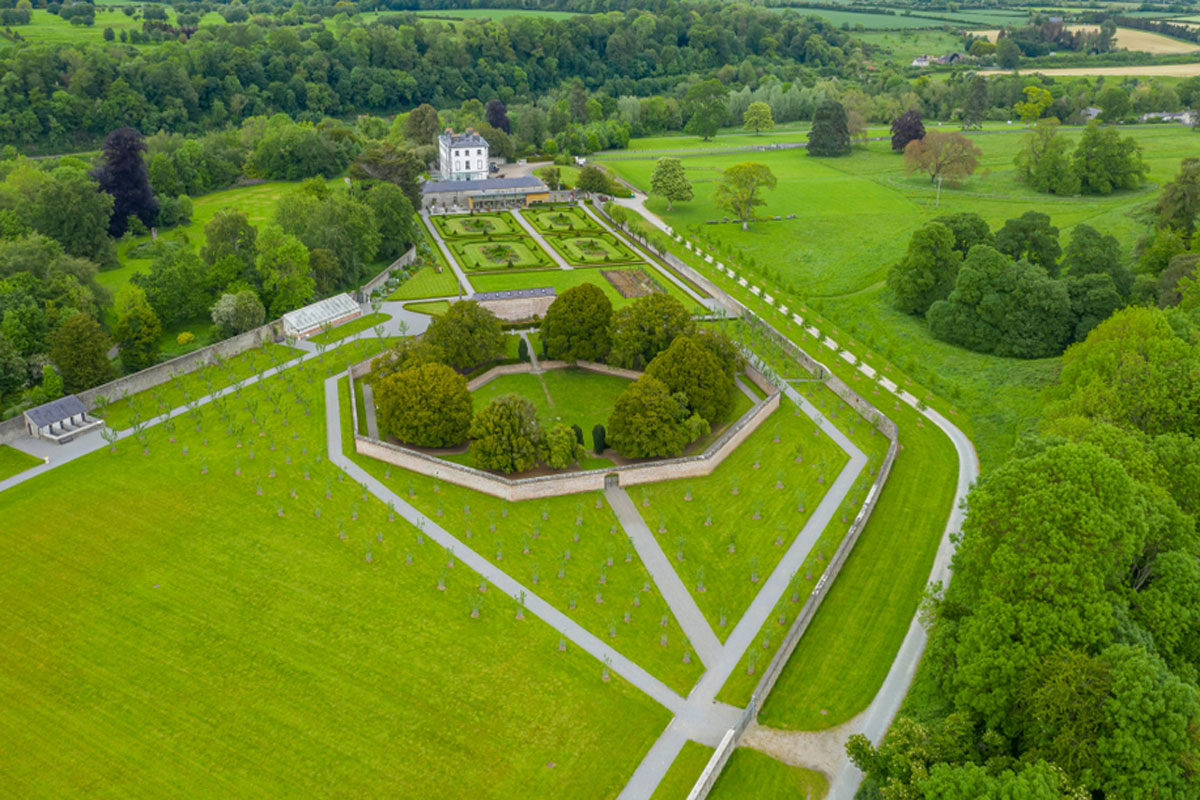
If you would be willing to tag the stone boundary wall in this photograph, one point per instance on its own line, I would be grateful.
(364, 293)
(518, 489)
(159, 374)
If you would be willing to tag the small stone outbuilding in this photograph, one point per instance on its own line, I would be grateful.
(60, 420)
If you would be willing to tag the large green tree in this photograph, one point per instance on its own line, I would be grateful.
(79, 348)
(427, 405)
(337, 222)
(688, 367)
(646, 327)
(927, 272)
(505, 435)
(648, 422)
(138, 329)
(577, 325)
(1135, 371)
(238, 313)
(998, 306)
(1044, 160)
(830, 133)
(758, 117)
(394, 219)
(1090, 253)
(230, 241)
(1032, 237)
(72, 210)
(669, 180)
(1105, 162)
(705, 104)
(176, 285)
(969, 229)
(1179, 202)
(283, 265)
(467, 335)
(739, 188)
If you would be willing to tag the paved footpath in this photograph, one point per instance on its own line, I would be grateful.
(496, 576)
(654, 766)
(450, 259)
(875, 720)
(541, 240)
(680, 600)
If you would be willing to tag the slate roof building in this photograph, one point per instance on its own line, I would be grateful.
(490, 193)
(60, 420)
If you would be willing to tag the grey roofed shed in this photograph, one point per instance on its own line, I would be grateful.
(56, 411)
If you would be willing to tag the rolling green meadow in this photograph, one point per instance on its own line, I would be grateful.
(160, 644)
(867, 200)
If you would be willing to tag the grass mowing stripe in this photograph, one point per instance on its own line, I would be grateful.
(14, 461)
(684, 772)
(845, 654)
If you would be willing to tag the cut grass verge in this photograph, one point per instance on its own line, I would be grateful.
(846, 652)
(684, 772)
(427, 282)
(14, 461)
(749, 773)
(350, 328)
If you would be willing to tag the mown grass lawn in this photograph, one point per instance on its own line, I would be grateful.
(193, 385)
(845, 654)
(427, 282)
(759, 522)
(535, 542)
(742, 681)
(684, 772)
(569, 396)
(347, 329)
(13, 461)
(168, 633)
(749, 773)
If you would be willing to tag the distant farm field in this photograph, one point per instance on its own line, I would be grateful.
(1128, 38)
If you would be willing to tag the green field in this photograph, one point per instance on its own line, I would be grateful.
(684, 772)
(13, 461)
(845, 654)
(570, 396)
(500, 254)
(749, 773)
(535, 541)
(345, 330)
(702, 519)
(561, 280)
(866, 199)
(427, 282)
(156, 644)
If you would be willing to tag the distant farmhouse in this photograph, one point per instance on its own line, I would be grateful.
(949, 58)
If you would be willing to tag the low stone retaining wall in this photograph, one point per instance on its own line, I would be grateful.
(159, 373)
(518, 489)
